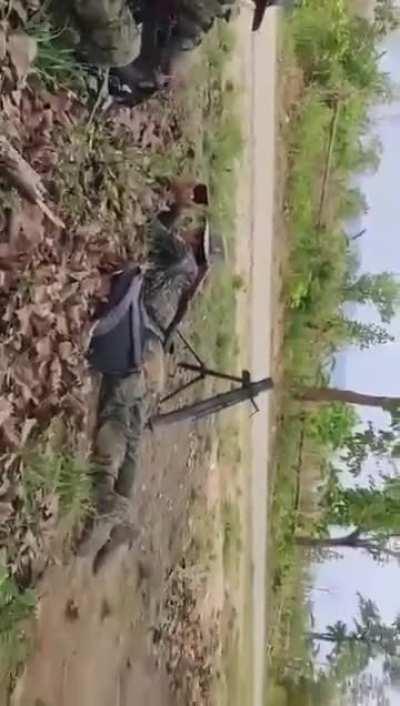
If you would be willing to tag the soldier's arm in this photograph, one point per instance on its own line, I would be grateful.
(170, 217)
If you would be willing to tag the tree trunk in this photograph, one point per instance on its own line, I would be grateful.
(215, 404)
(353, 540)
(349, 540)
(326, 637)
(333, 394)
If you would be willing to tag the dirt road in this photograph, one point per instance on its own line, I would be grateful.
(255, 254)
(263, 67)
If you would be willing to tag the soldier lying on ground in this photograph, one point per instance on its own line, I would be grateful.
(128, 348)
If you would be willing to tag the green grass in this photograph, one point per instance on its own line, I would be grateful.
(64, 479)
(16, 610)
(208, 111)
(55, 63)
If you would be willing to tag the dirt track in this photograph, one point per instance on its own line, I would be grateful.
(264, 72)
(256, 216)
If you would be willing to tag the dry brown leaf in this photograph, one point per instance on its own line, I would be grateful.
(16, 97)
(6, 510)
(4, 486)
(9, 109)
(65, 350)
(49, 511)
(24, 316)
(19, 8)
(74, 314)
(9, 429)
(61, 324)
(44, 348)
(24, 393)
(3, 44)
(7, 251)
(6, 280)
(55, 373)
(6, 410)
(26, 430)
(22, 50)
(23, 372)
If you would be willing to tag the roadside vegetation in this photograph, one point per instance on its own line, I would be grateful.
(330, 79)
(16, 610)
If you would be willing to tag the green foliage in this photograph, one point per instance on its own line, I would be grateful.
(380, 443)
(16, 608)
(368, 638)
(336, 48)
(381, 290)
(218, 149)
(63, 477)
(387, 18)
(55, 64)
(332, 425)
(375, 509)
(366, 335)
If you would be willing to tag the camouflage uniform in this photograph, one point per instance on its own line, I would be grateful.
(106, 32)
(126, 403)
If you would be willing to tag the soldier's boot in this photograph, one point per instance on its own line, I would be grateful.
(120, 534)
(115, 525)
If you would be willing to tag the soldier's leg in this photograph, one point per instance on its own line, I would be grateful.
(147, 391)
(129, 462)
(110, 452)
(117, 397)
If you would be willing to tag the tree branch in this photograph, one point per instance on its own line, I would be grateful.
(21, 175)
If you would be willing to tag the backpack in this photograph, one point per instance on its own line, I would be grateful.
(123, 327)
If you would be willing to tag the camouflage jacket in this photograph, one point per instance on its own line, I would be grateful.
(104, 32)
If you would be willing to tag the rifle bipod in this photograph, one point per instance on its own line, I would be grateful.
(246, 390)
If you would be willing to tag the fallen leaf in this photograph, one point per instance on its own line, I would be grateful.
(49, 510)
(30, 227)
(55, 372)
(10, 431)
(22, 50)
(3, 44)
(44, 348)
(65, 350)
(74, 315)
(61, 324)
(7, 251)
(24, 316)
(6, 280)
(6, 410)
(26, 430)
(19, 8)
(6, 510)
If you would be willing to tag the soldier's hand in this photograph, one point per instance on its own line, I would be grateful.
(183, 191)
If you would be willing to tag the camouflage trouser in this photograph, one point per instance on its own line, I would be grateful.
(122, 418)
(124, 408)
